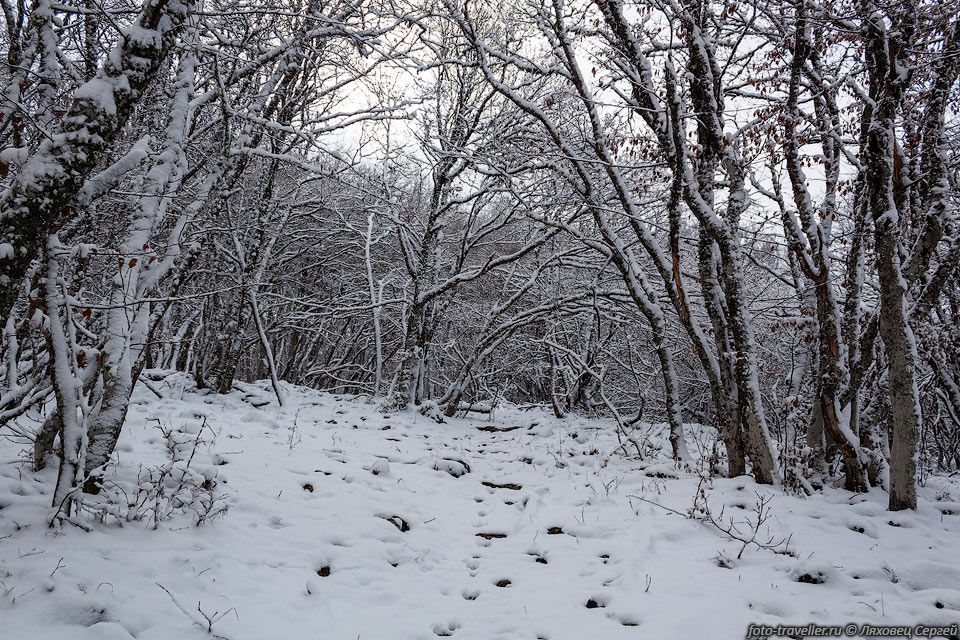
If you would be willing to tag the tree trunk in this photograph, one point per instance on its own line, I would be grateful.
(54, 175)
(886, 60)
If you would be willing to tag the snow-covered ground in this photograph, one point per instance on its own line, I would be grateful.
(344, 523)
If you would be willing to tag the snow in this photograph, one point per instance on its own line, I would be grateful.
(99, 92)
(14, 155)
(345, 523)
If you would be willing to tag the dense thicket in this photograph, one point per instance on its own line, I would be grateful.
(737, 219)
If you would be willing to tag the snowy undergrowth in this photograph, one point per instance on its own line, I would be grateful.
(344, 523)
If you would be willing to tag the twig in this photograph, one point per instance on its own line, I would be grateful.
(58, 567)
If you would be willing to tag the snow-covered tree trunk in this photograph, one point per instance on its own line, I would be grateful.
(42, 194)
(66, 383)
(376, 306)
(707, 100)
(422, 265)
(886, 50)
(727, 400)
(809, 240)
(696, 178)
(126, 327)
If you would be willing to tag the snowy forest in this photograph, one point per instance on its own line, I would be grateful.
(686, 270)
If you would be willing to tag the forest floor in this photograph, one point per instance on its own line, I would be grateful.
(344, 523)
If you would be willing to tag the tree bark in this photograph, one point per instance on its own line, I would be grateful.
(886, 53)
